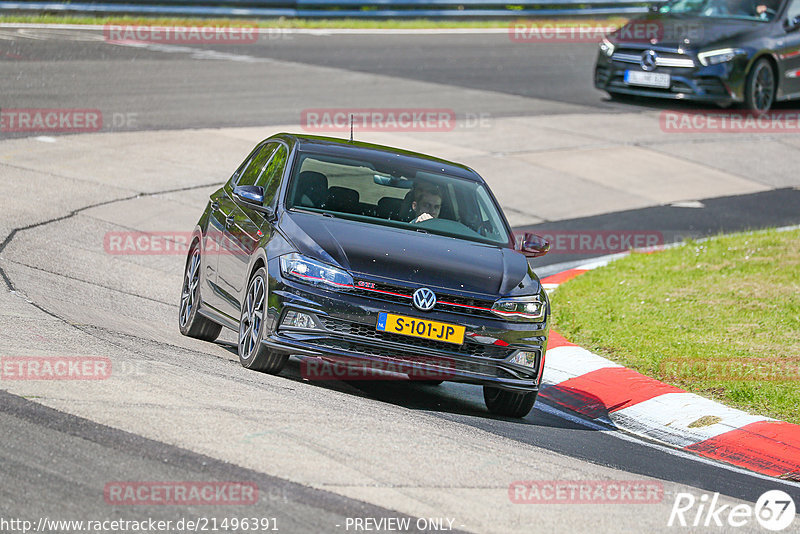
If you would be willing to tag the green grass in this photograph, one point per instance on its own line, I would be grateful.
(720, 318)
(283, 22)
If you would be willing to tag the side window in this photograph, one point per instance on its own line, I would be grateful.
(794, 10)
(253, 170)
(270, 179)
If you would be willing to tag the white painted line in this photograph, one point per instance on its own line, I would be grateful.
(668, 418)
(195, 53)
(694, 204)
(620, 434)
(549, 288)
(601, 262)
(273, 31)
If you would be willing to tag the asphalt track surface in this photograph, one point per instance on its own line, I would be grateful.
(55, 462)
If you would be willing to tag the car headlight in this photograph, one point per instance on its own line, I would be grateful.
(713, 57)
(531, 309)
(607, 47)
(299, 267)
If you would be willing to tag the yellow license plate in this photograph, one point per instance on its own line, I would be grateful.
(415, 327)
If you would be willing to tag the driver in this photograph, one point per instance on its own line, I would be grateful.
(763, 8)
(753, 8)
(427, 203)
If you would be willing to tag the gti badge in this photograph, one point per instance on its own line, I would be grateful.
(648, 61)
(424, 299)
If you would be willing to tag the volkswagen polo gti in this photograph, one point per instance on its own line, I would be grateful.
(359, 255)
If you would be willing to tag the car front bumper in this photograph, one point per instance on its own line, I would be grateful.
(720, 84)
(344, 332)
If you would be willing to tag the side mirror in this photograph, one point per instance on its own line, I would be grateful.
(792, 25)
(252, 196)
(534, 245)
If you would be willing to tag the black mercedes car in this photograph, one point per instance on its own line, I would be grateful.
(354, 254)
(716, 51)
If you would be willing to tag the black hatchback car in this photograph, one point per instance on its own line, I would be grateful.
(353, 254)
(716, 51)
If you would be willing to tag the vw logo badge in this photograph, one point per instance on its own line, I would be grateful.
(424, 299)
(648, 61)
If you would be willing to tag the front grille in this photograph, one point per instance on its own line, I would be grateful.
(468, 348)
(663, 59)
(397, 294)
(601, 76)
(681, 87)
(626, 58)
(704, 86)
(711, 86)
(404, 357)
(618, 81)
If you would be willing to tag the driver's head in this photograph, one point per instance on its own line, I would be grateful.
(427, 199)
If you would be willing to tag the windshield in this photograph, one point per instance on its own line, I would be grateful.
(383, 193)
(758, 10)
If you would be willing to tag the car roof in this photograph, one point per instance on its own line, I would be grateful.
(344, 147)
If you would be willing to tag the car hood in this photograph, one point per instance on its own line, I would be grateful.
(416, 258)
(672, 30)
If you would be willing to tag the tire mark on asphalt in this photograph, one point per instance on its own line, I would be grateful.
(76, 279)
(12, 234)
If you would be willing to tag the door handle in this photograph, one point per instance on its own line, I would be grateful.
(214, 205)
(229, 220)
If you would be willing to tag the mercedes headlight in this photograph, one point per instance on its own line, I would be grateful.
(607, 47)
(304, 269)
(713, 57)
(529, 309)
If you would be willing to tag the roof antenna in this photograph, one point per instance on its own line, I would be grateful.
(351, 127)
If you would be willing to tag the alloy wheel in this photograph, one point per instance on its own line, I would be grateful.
(190, 282)
(763, 88)
(252, 317)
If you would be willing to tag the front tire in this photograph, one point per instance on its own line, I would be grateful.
(509, 403)
(252, 353)
(190, 322)
(759, 91)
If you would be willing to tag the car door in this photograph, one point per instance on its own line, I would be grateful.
(215, 234)
(789, 52)
(223, 246)
(248, 227)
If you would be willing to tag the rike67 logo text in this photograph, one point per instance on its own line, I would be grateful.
(774, 510)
